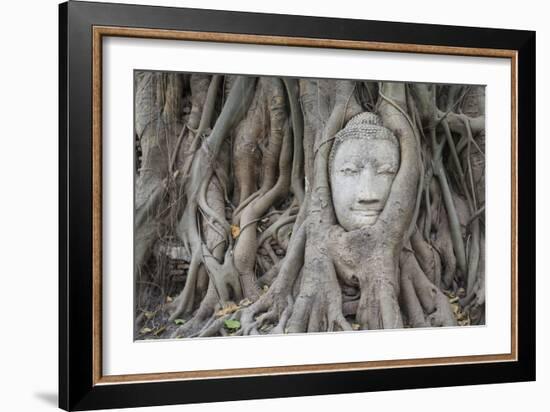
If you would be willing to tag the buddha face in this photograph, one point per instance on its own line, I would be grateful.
(361, 177)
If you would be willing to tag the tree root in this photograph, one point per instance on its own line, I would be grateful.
(203, 314)
(278, 301)
(428, 258)
(318, 306)
(434, 303)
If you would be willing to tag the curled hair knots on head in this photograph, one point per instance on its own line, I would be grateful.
(366, 125)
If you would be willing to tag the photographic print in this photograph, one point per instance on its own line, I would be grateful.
(277, 205)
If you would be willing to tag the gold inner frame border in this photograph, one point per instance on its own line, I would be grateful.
(102, 31)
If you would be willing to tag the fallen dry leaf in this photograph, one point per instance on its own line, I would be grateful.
(235, 231)
(245, 302)
(227, 309)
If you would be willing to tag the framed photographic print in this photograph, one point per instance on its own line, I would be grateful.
(256, 205)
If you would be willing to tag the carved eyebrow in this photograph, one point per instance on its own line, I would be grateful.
(349, 163)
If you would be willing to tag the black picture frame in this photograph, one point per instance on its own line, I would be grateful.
(77, 389)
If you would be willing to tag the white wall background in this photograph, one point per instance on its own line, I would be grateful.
(28, 206)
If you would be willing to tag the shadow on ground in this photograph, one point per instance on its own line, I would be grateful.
(49, 398)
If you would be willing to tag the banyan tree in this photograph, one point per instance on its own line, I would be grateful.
(282, 205)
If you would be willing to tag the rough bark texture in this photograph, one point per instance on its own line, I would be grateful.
(237, 229)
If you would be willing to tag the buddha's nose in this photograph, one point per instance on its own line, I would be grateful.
(370, 189)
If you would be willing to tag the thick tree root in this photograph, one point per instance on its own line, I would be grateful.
(434, 303)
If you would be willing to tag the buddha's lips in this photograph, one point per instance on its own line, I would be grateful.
(367, 212)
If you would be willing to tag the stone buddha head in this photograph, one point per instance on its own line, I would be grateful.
(362, 165)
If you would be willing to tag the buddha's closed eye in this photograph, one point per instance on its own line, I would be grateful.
(386, 169)
(349, 169)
